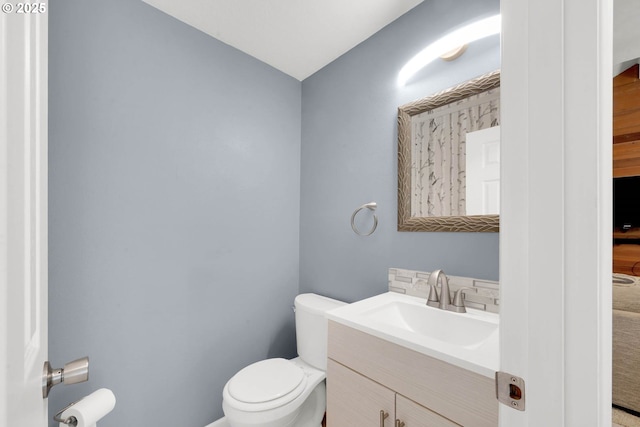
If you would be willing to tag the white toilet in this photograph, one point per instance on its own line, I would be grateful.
(280, 392)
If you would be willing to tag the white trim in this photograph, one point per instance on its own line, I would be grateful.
(555, 241)
(4, 291)
(588, 205)
(23, 217)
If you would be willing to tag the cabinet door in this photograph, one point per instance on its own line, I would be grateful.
(414, 415)
(356, 401)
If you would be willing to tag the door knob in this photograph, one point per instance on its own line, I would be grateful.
(73, 372)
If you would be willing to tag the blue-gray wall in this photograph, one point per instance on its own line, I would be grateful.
(349, 132)
(195, 190)
(174, 210)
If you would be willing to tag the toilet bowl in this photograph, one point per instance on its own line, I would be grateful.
(280, 392)
(275, 393)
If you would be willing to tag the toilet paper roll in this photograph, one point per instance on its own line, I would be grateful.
(90, 409)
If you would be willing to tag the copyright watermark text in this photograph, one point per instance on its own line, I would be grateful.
(24, 8)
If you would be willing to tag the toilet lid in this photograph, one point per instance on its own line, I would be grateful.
(266, 380)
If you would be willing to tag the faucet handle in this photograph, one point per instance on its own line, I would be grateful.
(458, 301)
(433, 300)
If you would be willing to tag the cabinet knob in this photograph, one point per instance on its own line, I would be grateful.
(383, 416)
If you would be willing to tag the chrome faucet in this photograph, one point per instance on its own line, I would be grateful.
(443, 301)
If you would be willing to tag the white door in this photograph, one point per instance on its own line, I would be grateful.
(23, 215)
(555, 231)
(483, 172)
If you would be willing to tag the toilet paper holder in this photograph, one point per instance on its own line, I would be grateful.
(72, 421)
(87, 411)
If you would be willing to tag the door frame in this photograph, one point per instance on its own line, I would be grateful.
(555, 240)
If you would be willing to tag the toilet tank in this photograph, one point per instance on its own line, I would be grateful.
(311, 328)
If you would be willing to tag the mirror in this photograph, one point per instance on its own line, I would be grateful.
(449, 159)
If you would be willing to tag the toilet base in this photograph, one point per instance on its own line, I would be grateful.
(222, 422)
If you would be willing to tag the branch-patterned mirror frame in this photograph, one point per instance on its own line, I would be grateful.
(472, 223)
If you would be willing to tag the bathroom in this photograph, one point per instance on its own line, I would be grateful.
(194, 191)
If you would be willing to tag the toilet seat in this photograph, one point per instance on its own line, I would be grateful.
(265, 385)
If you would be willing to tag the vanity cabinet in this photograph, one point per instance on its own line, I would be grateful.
(366, 375)
(354, 400)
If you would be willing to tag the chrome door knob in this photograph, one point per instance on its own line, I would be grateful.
(73, 372)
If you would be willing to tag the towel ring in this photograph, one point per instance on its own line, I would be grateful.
(372, 207)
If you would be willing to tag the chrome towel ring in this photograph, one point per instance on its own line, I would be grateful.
(372, 207)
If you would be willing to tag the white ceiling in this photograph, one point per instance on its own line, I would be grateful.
(298, 37)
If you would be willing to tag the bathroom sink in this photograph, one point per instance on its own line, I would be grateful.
(468, 340)
(440, 325)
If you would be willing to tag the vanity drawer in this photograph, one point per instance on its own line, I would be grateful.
(459, 395)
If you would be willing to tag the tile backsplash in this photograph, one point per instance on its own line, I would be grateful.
(484, 294)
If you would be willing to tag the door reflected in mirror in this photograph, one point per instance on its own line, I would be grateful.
(483, 172)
